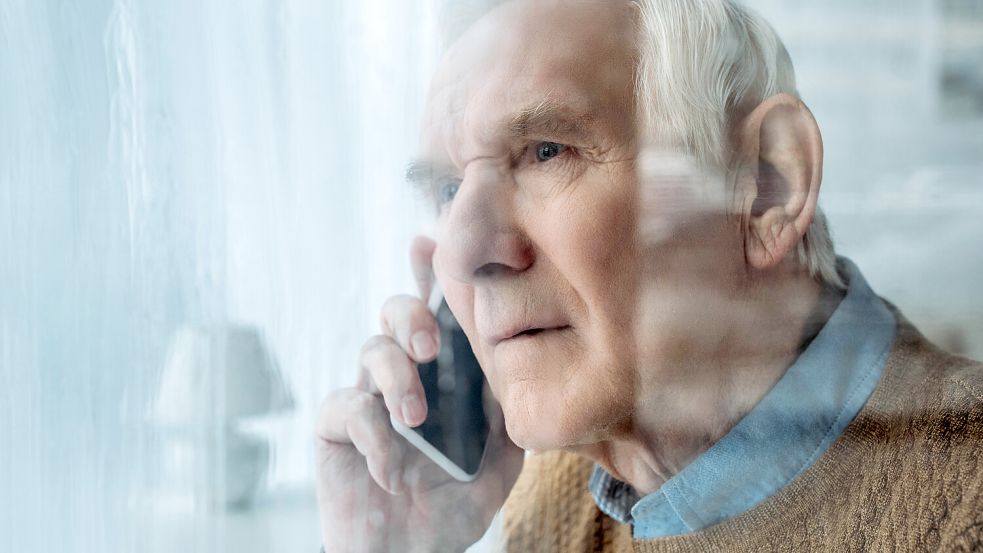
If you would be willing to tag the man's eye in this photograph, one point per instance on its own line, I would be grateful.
(546, 151)
(447, 191)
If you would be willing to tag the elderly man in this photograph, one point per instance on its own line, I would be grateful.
(629, 236)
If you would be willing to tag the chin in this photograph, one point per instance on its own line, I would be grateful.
(531, 436)
(542, 416)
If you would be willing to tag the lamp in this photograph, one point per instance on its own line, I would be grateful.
(213, 379)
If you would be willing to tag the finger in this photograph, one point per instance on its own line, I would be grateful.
(410, 323)
(355, 417)
(500, 466)
(500, 469)
(387, 369)
(421, 260)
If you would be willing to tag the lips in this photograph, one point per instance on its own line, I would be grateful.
(518, 332)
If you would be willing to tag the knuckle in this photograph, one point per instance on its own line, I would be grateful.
(384, 355)
(380, 437)
(404, 313)
(334, 401)
(386, 366)
(374, 344)
(363, 404)
(394, 310)
(396, 303)
(374, 441)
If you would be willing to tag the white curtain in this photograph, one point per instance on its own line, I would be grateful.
(168, 163)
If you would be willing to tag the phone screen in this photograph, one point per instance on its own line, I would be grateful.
(457, 423)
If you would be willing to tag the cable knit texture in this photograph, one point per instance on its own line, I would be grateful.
(905, 475)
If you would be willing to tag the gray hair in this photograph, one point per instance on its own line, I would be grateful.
(703, 66)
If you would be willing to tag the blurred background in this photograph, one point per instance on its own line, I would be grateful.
(202, 208)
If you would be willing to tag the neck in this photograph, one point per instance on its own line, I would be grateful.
(740, 355)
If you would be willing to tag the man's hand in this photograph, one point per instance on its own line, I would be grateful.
(377, 493)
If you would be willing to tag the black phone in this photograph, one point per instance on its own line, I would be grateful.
(455, 432)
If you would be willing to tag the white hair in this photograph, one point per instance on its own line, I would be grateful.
(703, 66)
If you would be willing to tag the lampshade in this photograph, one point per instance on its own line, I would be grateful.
(219, 374)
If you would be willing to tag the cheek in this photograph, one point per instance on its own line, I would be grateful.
(589, 237)
(460, 299)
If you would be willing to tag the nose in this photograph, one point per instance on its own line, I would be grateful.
(482, 237)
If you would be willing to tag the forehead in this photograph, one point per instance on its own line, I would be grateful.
(578, 54)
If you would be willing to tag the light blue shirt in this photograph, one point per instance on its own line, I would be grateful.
(791, 427)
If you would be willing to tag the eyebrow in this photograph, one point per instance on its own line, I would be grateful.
(550, 119)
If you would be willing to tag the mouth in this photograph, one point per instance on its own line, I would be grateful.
(531, 333)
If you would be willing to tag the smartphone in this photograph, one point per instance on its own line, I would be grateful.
(455, 433)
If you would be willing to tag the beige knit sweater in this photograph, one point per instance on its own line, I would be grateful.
(906, 475)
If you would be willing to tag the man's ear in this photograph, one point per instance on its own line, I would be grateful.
(781, 141)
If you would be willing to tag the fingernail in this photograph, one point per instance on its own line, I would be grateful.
(412, 410)
(423, 345)
(396, 482)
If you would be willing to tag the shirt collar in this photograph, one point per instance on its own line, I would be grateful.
(796, 421)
